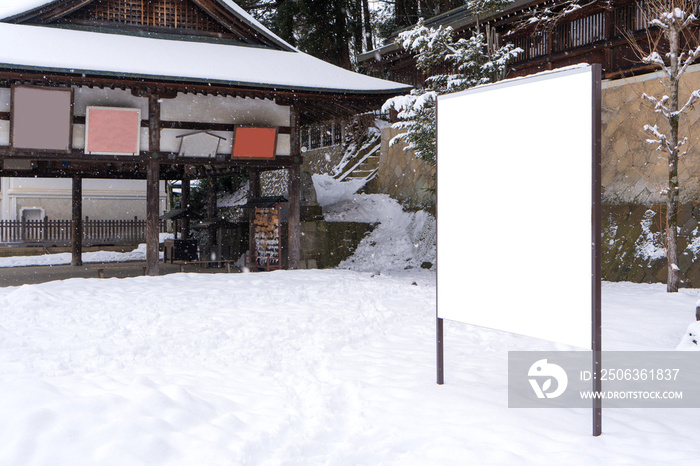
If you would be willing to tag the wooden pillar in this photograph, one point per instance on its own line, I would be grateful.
(212, 216)
(152, 185)
(609, 31)
(254, 191)
(211, 198)
(77, 222)
(184, 204)
(294, 188)
(152, 220)
(294, 225)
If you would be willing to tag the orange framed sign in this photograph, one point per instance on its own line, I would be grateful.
(250, 142)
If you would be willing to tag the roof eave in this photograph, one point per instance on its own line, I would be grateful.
(181, 80)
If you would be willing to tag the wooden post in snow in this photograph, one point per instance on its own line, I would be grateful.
(152, 221)
(77, 222)
(152, 191)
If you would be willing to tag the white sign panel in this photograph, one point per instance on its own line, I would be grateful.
(515, 205)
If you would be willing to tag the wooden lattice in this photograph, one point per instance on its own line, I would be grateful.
(173, 14)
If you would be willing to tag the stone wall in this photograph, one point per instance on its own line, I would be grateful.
(633, 245)
(633, 176)
(403, 176)
(632, 170)
(326, 244)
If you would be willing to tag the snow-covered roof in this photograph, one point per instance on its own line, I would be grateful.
(9, 8)
(63, 50)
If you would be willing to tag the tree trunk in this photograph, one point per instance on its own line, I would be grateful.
(672, 196)
(369, 41)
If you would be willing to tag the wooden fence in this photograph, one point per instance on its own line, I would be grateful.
(58, 232)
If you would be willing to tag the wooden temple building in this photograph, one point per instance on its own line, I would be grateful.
(551, 33)
(161, 90)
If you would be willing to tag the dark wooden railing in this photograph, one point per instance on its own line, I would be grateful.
(58, 232)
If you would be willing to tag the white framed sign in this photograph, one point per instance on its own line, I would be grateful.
(518, 192)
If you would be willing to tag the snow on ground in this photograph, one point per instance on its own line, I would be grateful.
(328, 367)
(138, 254)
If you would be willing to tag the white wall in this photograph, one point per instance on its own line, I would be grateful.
(102, 199)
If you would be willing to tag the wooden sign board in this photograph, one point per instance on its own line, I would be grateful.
(112, 131)
(41, 118)
(199, 144)
(254, 143)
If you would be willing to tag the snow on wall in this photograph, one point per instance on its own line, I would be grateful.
(227, 110)
(84, 97)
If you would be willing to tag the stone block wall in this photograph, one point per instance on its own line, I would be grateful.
(633, 171)
(403, 176)
(633, 244)
(326, 244)
(633, 176)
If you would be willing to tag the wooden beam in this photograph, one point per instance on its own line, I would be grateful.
(77, 222)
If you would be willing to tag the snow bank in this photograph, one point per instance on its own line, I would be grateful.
(331, 191)
(138, 254)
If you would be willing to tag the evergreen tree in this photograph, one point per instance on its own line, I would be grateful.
(336, 30)
(473, 63)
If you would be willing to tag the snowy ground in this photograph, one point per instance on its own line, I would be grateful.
(331, 367)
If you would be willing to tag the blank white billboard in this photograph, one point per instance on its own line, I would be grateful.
(515, 205)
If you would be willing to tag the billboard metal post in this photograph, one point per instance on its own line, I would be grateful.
(596, 322)
(439, 334)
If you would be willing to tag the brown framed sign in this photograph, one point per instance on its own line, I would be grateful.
(254, 142)
(41, 118)
(112, 131)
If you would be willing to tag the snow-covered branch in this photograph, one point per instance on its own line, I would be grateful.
(691, 100)
(660, 105)
(547, 16)
(655, 58)
(660, 138)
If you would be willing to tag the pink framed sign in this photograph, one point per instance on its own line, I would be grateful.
(112, 131)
